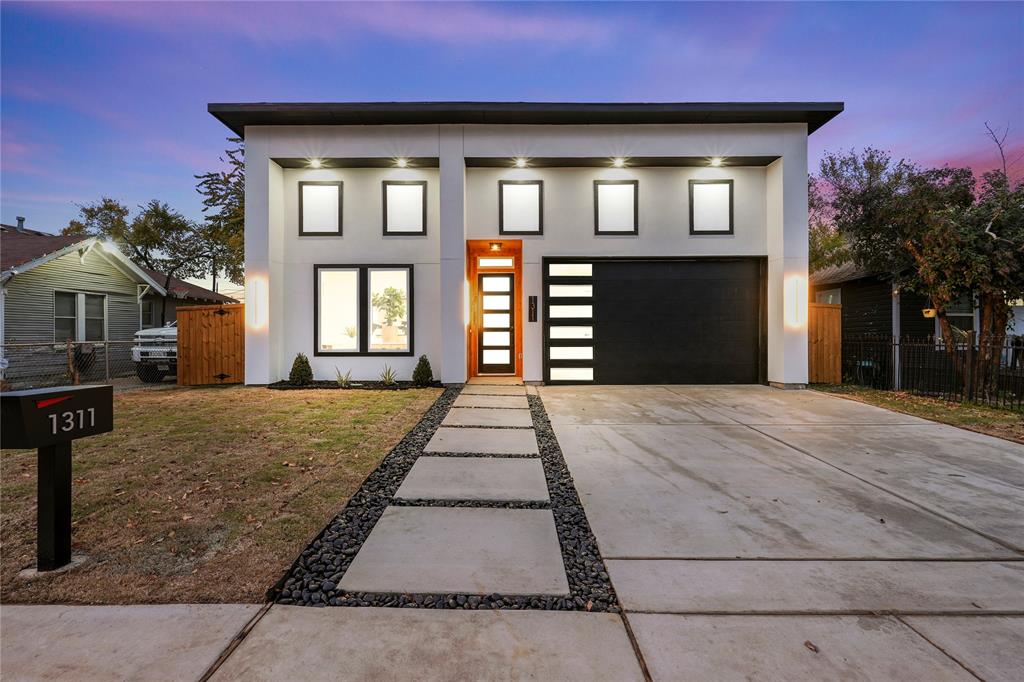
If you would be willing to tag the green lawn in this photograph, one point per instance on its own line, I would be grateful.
(202, 495)
(993, 421)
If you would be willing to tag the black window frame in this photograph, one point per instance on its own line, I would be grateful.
(501, 207)
(598, 232)
(341, 207)
(732, 213)
(384, 203)
(363, 300)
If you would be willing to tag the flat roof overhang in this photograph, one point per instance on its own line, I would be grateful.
(237, 116)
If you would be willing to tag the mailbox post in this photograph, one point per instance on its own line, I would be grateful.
(49, 419)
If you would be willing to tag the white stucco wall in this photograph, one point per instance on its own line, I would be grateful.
(770, 220)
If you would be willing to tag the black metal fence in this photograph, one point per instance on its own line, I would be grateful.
(991, 375)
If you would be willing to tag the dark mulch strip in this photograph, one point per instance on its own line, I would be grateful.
(486, 504)
(354, 386)
(314, 577)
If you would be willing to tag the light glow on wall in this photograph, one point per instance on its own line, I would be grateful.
(256, 302)
(716, 161)
(619, 162)
(795, 301)
(316, 163)
(520, 162)
(401, 162)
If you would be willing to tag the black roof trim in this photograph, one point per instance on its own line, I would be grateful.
(238, 116)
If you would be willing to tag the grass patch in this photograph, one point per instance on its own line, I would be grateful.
(202, 495)
(994, 421)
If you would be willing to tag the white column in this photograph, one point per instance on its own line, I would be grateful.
(264, 217)
(786, 181)
(453, 255)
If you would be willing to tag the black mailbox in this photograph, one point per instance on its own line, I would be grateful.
(46, 416)
(50, 419)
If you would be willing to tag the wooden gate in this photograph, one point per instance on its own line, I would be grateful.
(825, 343)
(211, 344)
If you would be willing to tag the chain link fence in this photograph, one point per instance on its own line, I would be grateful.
(39, 365)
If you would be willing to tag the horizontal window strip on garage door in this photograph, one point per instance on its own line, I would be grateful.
(569, 322)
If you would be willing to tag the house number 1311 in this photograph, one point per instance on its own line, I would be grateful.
(68, 421)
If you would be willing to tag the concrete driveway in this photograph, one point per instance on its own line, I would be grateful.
(778, 534)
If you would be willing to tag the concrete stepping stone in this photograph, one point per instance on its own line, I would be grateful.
(484, 441)
(471, 416)
(516, 479)
(466, 550)
(484, 389)
(508, 401)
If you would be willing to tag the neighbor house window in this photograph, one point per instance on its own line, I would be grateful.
(711, 209)
(615, 206)
(320, 207)
(363, 309)
(405, 207)
(147, 313)
(79, 317)
(960, 314)
(830, 296)
(520, 207)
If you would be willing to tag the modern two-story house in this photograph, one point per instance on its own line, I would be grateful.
(561, 243)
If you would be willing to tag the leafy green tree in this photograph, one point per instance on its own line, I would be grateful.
(933, 231)
(223, 193)
(157, 237)
(826, 245)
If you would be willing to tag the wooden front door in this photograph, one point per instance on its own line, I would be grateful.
(496, 334)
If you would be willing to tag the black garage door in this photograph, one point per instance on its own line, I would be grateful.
(654, 321)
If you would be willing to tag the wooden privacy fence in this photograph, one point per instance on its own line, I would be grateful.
(825, 343)
(211, 344)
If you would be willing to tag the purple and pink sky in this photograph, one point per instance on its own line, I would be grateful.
(110, 98)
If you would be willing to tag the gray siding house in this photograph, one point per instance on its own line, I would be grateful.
(58, 288)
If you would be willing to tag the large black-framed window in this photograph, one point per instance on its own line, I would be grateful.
(520, 207)
(405, 207)
(321, 208)
(363, 309)
(616, 207)
(711, 207)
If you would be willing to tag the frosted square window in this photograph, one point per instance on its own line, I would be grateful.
(497, 357)
(520, 207)
(570, 290)
(320, 208)
(499, 320)
(711, 207)
(581, 332)
(615, 206)
(572, 374)
(570, 270)
(571, 352)
(498, 284)
(495, 262)
(497, 339)
(558, 311)
(497, 302)
(338, 324)
(389, 309)
(405, 207)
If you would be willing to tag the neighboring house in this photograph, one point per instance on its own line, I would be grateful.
(59, 287)
(872, 305)
(564, 243)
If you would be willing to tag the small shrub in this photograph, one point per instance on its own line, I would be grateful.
(344, 380)
(388, 377)
(302, 373)
(422, 375)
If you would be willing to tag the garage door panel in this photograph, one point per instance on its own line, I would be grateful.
(686, 321)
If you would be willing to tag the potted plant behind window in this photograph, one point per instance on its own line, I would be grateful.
(391, 304)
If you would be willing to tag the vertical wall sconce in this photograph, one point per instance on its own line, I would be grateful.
(795, 303)
(256, 302)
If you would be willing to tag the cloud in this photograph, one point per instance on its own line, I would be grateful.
(282, 24)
